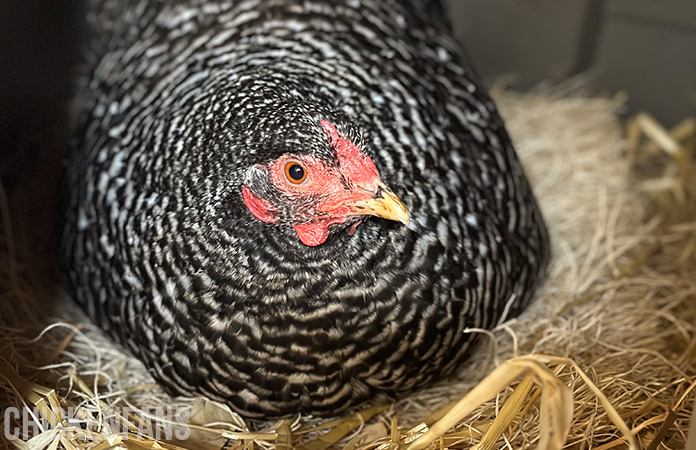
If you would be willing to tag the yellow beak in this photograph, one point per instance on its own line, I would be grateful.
(384, 203)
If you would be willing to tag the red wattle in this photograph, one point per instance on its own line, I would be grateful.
(312, 234)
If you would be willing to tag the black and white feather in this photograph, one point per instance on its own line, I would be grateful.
(158, 247)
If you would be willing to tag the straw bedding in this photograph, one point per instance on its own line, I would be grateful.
(620, 300)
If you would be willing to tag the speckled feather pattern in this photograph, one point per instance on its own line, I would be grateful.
(158, 247)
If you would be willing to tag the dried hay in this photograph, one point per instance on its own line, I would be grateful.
(620, 302)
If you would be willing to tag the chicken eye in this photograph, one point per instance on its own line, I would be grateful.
(295, 173)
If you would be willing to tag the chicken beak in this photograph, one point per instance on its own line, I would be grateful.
(384, 203)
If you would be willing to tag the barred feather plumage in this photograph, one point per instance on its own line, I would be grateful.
(160, 250)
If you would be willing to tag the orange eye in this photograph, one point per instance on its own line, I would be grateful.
(295, 173)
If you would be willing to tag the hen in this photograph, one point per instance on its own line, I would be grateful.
(291, 206)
